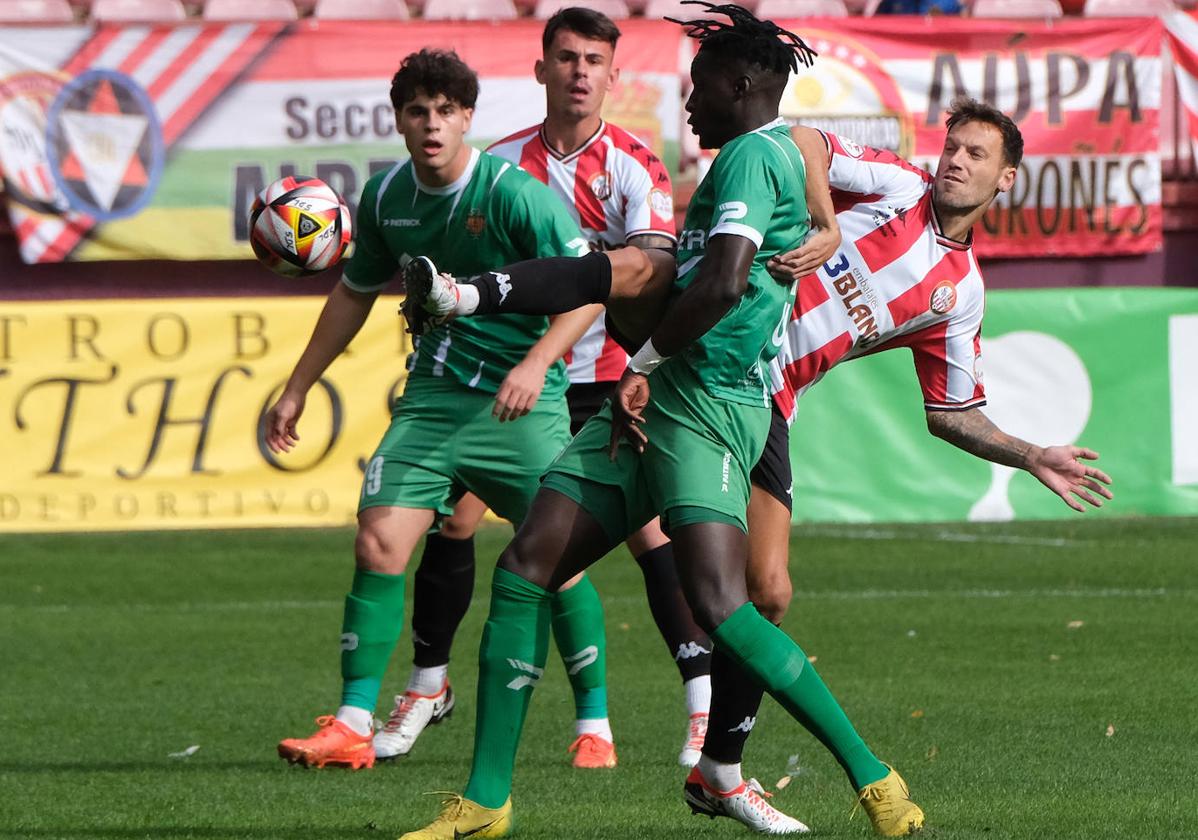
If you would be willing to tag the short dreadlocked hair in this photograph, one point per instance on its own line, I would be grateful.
(759, 42)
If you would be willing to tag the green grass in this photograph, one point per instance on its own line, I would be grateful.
(949, 646)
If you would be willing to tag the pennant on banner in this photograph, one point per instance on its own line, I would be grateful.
(86, 144)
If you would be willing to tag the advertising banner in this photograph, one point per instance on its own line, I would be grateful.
(127, 142)
(118, 415)
(1115, 370)
(1183, 44)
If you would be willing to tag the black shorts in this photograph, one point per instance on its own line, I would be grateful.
(772, 473)
(585, 399)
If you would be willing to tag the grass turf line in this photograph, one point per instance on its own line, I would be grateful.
(955, 656)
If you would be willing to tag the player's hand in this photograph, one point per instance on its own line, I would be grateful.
(819, 247)
(520, 391)
(278, 427)
(1062, 470)
(627, 412)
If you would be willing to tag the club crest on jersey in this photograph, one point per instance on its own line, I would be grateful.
(476, 223)
(943, 297)
(852, 149)
(600, 184)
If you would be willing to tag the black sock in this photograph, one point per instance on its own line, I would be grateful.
(735, 699)
(689, 645)
(547, 286)
(443, 586)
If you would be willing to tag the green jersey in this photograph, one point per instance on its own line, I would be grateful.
(493, 215)
(755, 189)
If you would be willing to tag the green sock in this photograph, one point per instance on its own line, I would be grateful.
(369, 631)
(511, 660)
(780, 665)
(582, 642)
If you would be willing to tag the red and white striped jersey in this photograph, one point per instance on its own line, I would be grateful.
(616, 188)
(895, 282)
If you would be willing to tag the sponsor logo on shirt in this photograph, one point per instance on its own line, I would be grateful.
(859, 302)
(692, 240)
(403, 223)
(943, 297)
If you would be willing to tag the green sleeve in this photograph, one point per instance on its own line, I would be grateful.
(541, 226)
(373, 265)
(746, 189)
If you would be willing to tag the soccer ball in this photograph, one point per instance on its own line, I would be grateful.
(299, 226)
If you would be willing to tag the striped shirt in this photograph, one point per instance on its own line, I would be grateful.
(895, 282)
(615, 188)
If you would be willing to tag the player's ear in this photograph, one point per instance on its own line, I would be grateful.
(538, 71)
(742, 86)
(467, 117)
(613, 77)
(1007, 179)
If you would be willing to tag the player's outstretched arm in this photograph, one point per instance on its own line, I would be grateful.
(343, 315)
(522, 386)
(820, 245)
(1059, 468)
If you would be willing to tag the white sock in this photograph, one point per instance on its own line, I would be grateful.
(359, 720)
(722, 777)
(467, 300)
(594, 726)
(428, 681)
(698, 695)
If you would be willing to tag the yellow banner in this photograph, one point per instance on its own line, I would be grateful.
(123, 415)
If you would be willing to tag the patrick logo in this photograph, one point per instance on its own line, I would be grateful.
(104, 144)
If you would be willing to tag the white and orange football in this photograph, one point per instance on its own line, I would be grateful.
(299, 226)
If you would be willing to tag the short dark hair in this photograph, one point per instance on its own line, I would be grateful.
(761, 43)
(434, 72)
(966, 110)
(588, 23)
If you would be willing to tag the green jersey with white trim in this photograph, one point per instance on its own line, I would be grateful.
(494, 214)
(755, 189)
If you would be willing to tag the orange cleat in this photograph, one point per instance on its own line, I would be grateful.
(334, 743)
(593, 753)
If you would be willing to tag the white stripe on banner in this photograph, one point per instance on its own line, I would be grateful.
(1183, 391)
(223, 46)
(118, 48)
(1184, 32)
(158, 61)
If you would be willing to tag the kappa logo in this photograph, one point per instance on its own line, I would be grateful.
(689, 650)
(575, 662)
(349, 641)
(504, 282)
(745, 725)
(530, 677)
(943, 297)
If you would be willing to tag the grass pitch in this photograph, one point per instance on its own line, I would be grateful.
(1033, 681)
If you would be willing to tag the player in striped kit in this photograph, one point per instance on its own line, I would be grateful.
(620, 194)
(904, 276)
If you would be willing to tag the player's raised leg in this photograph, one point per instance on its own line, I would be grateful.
(371, 625)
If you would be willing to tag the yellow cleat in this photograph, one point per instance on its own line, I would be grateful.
(888, 804)
(462, 818)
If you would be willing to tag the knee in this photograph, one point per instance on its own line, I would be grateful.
(712, 609)
(772, 596)
(376, 551)
(458, 528)
(524, 558)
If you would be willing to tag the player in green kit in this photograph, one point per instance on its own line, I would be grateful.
(449, 432)
(697, 389)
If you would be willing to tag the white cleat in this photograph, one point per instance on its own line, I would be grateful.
(412, 713)
(696, 734)
(432, 297)
(745, 804)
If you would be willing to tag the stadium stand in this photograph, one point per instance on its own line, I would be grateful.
(1120, 8)
(470, 10)
(361, 10)
(675, 9)
(138, 11)
(249, 10)
(36, 11)
(1016, 9)
(614, 9)
(779, 9)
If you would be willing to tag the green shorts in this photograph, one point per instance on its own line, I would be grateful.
(695, 467)
(443, 442)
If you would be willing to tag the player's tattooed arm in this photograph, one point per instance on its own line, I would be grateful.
(645, 241)
(1059, 468)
